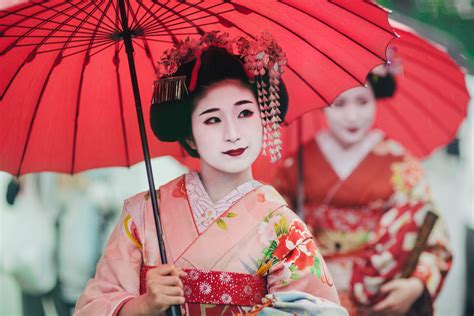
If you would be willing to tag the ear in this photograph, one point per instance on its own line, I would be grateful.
(191, 144)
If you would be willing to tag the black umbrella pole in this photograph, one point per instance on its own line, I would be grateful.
(127, 38)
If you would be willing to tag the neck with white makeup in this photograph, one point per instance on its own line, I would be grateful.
(218, 184)
(342, 159)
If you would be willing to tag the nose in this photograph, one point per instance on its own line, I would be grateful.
(352, 114)
(231, 133)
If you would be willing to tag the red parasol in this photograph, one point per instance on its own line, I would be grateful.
(65, 92)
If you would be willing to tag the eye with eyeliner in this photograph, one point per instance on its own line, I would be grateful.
(212, 120)
(339, 103)
(362, 101)
(246, 113)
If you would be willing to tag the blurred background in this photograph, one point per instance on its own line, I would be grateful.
(53, 226)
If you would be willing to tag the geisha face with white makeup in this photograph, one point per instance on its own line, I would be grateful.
(351, 116)
(227, 128)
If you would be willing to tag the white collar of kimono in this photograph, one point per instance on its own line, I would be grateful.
(203, 209)
(345, 161)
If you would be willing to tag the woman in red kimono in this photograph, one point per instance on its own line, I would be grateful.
(365, 198)
(233, 244)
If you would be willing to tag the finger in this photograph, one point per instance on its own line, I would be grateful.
(383, 305)
(181, 273)
(172, 291)
(167, 281)
(162, 269)
(172, 300)
(175, 271)
(389, 286)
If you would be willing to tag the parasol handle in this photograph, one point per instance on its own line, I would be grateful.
(174, 310)
(420, 243)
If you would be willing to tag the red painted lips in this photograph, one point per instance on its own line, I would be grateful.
(353, 129)
(235, 152)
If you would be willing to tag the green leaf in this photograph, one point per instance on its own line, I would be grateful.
(295, 276)
(316, 268)
(221, 224)
(273, 245)
(268, 251)
(281, 227)
(292, 268)
(277, 229)
(267, 218)
(231, 215)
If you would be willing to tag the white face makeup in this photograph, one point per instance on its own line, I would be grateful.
(351, 115)
(227, 128)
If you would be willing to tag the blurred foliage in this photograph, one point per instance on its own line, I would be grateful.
(454, 17)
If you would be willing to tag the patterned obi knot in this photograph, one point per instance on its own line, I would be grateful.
(218, 287)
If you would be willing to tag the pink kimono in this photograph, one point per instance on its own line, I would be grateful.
(235, 251)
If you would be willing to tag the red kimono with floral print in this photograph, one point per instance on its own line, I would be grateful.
(367, 223)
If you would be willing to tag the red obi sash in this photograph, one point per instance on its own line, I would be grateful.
(218, 287)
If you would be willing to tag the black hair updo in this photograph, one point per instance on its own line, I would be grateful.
(383, 87)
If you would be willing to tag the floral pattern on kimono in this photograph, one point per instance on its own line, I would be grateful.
(367, 223)
(294, 263)
(290, 246)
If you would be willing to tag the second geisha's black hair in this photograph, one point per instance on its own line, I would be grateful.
(383, 87)
(171, 120)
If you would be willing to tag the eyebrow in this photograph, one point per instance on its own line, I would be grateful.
(241, 102)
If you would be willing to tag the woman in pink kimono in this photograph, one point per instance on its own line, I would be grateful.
(234, 245)
(365, 199)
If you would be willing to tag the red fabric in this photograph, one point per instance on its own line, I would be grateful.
(218, 287)
(394, 246)
(66, 102)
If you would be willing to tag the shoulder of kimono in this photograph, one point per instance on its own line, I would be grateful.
(284, 211)
(389, 148)
(137, 199)
(272, 194)
(173, 183)
(289, 213)
(134, 208)
(178, 183)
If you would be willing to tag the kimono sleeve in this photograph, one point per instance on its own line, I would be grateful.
(293, 260)
(117, 277)
(393, 239)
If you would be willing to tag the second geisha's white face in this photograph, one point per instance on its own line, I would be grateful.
(351, 115)
(227, 128)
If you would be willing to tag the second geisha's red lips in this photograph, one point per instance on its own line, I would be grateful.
(353, 129)
(235, 152)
